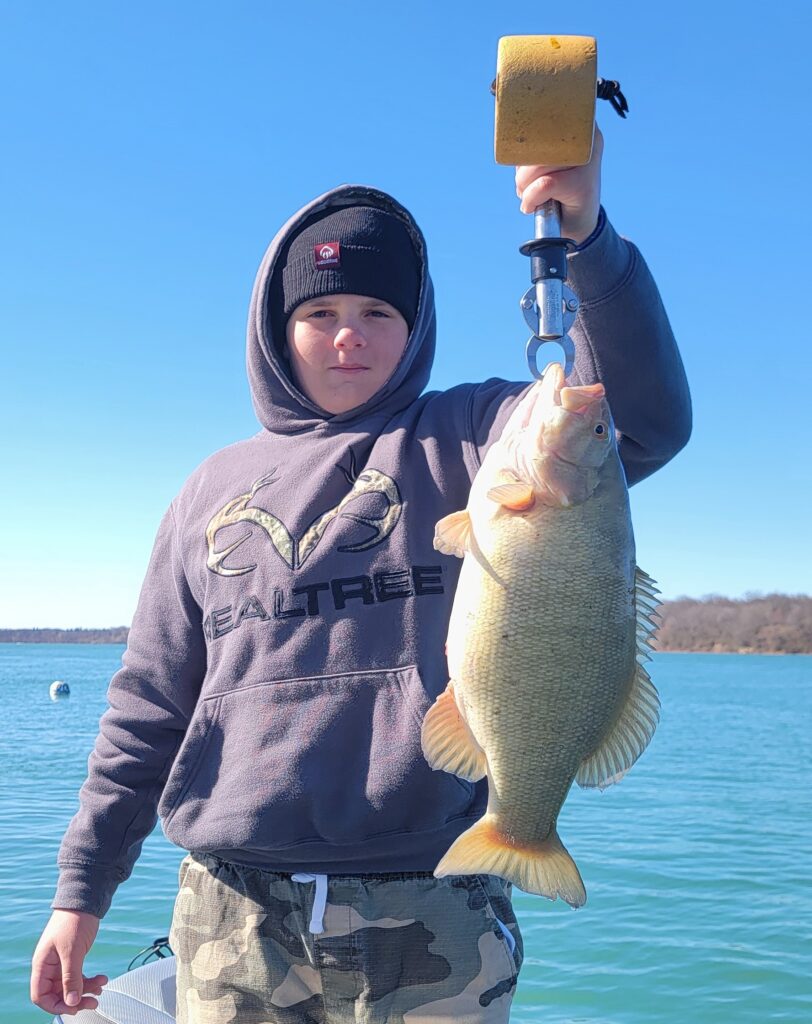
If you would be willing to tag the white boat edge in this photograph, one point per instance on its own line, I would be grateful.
(145, 995)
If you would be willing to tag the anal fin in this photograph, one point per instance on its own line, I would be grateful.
(448, 743)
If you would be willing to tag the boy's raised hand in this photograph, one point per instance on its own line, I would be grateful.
(578, 189)
(57, 982)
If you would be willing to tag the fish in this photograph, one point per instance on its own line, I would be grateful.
(550, 630)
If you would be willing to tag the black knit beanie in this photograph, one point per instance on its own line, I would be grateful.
(359, 250)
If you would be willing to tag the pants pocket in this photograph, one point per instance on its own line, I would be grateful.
(183, 870)
(437, 954)
(497, 893)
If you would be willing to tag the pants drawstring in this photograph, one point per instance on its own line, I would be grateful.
(319, 900)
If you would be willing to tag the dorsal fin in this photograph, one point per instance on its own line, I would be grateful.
(632, 732)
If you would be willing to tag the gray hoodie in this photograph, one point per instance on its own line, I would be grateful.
(289, 635)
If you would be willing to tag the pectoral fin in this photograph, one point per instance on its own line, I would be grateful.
(516, 496)
(448, 743)
(632, 732)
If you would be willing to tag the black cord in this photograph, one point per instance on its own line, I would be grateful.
(610, 90)
(159, 950)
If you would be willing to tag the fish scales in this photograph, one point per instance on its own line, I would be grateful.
(542, 648)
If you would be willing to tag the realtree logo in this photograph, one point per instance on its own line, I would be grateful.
(292, 550)
(307, 597)
(326, 597)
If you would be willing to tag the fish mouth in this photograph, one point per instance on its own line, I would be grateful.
(548, 403)
(552, 382)
(574, 398)
(579, 399)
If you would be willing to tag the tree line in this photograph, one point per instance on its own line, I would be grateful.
(114, 635)
(756, 623)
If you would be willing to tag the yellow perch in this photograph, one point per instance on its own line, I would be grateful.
(548, 636)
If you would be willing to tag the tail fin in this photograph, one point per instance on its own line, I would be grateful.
(544, 868)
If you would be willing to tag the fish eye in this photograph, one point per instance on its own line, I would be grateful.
(601, 430)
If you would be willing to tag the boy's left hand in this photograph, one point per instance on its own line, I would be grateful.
(578, 189)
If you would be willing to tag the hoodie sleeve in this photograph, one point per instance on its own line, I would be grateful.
(623, 339)
(151, 699)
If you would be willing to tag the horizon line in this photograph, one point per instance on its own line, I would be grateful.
(706, 598)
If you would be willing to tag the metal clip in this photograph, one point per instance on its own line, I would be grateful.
(534, 346)
(532, 316)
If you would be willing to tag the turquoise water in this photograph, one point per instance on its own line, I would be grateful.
(697, 865)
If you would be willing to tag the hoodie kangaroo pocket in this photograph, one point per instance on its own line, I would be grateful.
(333, 759)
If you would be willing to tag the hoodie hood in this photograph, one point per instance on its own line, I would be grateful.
(278, 403)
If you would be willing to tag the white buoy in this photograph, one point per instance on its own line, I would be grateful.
(59, 689)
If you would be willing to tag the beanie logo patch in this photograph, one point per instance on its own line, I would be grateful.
(327, 254)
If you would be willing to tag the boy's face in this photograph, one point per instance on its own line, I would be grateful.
(344, 348)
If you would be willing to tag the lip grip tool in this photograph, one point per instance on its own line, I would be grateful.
(545, 90)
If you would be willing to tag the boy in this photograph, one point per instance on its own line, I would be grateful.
(289, 639)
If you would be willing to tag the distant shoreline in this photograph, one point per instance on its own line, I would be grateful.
(756, 624)
(657, 650)
(745, 650)
(111, 635)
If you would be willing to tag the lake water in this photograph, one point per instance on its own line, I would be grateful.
(697, 865)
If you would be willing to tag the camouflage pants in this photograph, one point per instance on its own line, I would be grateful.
(407, 949)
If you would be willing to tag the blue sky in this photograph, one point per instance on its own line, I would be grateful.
(152, 150)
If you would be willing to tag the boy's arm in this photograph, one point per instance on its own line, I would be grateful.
(151, 700)
(623, 338)
(622, 335)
